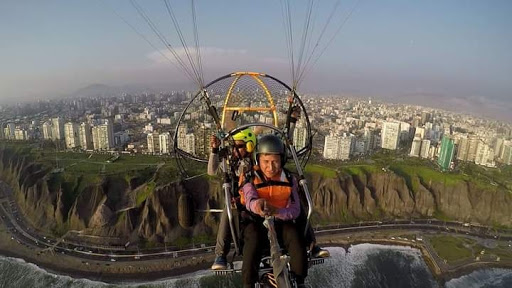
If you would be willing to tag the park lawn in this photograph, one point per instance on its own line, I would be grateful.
(359, 169)
(322, 170)
(426, 174)
(451, 248)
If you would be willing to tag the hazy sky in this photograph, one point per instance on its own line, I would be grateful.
(448, 49)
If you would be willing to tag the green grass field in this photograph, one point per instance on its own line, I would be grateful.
(412, 169)
(322, 170)
(452, 248)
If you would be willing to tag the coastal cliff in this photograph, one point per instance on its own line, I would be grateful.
(133, 207)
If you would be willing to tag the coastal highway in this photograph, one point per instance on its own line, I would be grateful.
(25, 235)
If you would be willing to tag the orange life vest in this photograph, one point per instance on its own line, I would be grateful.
(277, 190)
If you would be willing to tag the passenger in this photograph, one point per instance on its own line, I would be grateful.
(245, 142)
(271, 191)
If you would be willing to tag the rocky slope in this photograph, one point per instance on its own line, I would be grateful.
(132, 208)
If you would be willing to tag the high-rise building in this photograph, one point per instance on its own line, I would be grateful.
(404, 131)
(57, 128)
(425, 117)
(165, 143)
(181, 136)
(120, 138)
(498, 146)
(300, 136)
(484, 155)
(47, 131)
(446, 154)
(85, 136)
(6, 133)
(338, 147)
(425, 148)
(190, 143)
(103, 136)
(472, 146)
(416, 121)
(153, 143)
(71, 135)
(390, 135)
(415, 147)
(346, 143)
(462, 149)
(506, 154)
(202, 139)
(9, 131)
(1, 130)
(419, 132)
(20, 134)
(331, 147)
(369, 140)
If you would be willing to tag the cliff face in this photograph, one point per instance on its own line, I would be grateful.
(131, 208)
(386, 195)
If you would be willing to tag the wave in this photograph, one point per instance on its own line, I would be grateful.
(363, 265)
(483, 278)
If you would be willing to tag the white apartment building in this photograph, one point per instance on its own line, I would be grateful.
(182, 133)
(9, 131)
(190, 144)
(390, 135)
(425, 149)
(484, 155)
(415, 147)
(20, 134)
(57, 128)
(85, 136)
(300, 136)
(47, 131)
(153, 143)
(462, 149)
(338, 147)
(103, 136)
(165, 143)
(420, 132)
(164, 121)
(71, 135)
(472, 146)
(506, 154)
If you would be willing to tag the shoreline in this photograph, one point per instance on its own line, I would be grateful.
(108, 277)
(441, 275)
(161, 269)
(103, 271)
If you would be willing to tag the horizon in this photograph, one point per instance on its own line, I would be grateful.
(454, 55)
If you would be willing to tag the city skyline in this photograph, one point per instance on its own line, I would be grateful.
(453, 55)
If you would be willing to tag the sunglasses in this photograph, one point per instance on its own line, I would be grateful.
(239, 146)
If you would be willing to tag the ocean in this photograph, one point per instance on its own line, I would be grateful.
(364, 265)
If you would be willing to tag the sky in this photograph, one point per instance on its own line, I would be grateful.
(451, 53)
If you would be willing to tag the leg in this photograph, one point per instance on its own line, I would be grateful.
(295, 245)
(310, 241)
(301, 226)
(254, 237)
(223, 236)
(223, 242)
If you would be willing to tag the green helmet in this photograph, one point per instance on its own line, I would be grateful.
(248, 136)
(271, 144)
